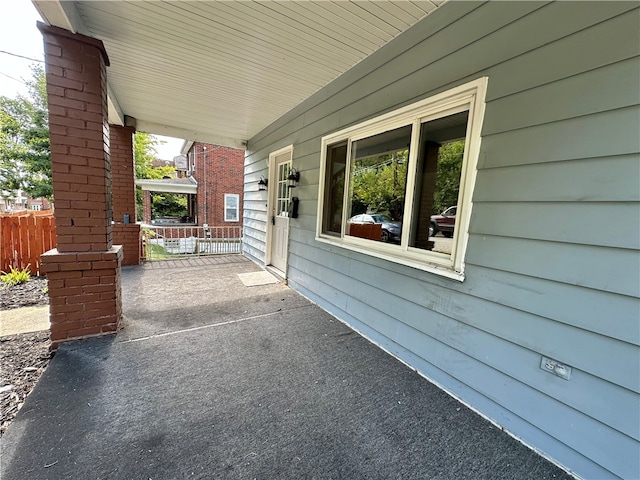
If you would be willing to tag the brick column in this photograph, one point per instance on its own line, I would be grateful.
(84, 271)
(146, 207)
(125, 231)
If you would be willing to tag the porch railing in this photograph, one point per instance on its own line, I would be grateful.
(162, 243)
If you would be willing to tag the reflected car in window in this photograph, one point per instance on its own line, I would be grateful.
(445, 222)
(391, 229)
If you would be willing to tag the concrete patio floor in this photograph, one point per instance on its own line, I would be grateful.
(213, 379)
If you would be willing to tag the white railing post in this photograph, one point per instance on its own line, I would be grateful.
(162, 242)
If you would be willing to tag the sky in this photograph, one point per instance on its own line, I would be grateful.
(19, 36)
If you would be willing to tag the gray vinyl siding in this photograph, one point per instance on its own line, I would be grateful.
(552, 265)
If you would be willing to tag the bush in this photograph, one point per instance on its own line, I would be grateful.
(15, 277)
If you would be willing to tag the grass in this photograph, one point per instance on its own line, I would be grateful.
(158, 252)
(15, 277)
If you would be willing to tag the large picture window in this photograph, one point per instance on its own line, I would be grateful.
(399, 186)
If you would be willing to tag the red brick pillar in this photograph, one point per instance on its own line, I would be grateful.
(146, 207)
(84, 271)
(125, 231)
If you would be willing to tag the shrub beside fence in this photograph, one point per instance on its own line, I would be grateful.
(24, 236)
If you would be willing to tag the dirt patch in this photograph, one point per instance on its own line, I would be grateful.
(23, 357)
(31, 293)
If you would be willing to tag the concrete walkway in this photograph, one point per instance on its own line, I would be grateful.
(24, 320)
(212, 379)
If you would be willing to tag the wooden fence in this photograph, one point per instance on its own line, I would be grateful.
(24, 236)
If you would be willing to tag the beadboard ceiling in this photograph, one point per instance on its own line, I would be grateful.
(221, 71)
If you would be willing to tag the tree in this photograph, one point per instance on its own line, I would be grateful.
(10, 170)
(169, 205)
(25, 159)
(448, 175)
(164, 204)
(378, 184)
(144, 153)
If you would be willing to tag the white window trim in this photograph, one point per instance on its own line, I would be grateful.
(226, 218)
(469, 96)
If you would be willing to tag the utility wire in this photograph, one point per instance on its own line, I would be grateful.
(13, 78)
(22, 56)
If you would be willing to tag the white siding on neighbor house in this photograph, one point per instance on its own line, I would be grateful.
(553, 264)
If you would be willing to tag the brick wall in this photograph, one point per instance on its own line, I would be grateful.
(218, 170)
(84, 271)
(146, 207)
(84, 293)
(122, 173)
(128, 235)
(124, 193)
(79, 134)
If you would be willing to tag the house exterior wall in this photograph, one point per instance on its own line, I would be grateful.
(39, 204)
(218, 170)
(552, 261)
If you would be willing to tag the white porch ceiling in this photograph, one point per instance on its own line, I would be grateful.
(221, 71)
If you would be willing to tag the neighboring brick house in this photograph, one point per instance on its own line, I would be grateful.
(211, 176)
(219, 172)
(19, 200)
(39, 203)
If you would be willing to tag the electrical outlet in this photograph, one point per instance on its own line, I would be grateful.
(557, 368)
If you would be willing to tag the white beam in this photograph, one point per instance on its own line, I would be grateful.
(72, 17)
(116, 116)
(186, 146)
(166, 187)
(197, 136)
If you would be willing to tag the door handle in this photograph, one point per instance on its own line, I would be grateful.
(273, 219)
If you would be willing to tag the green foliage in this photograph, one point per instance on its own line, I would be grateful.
(163, 204)
(148, 233)
(144, 153)
(153, 251)
(448, 176)
(168, 205)
(378, 184)
(10, 171)
(158, 252)
(15, 277)
(25, 160)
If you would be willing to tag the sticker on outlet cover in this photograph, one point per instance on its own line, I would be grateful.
(555, 367)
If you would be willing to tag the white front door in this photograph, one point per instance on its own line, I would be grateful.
(279, 198)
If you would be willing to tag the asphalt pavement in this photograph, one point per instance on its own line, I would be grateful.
(212, 379)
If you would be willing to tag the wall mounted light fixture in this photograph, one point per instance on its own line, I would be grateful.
(262, 183)
(293, 178)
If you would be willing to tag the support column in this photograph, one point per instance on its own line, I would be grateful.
(146, 207)
(125, 231)
(84, 270)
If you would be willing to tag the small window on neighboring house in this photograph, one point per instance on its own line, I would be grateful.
(231, 207)
(385, 182)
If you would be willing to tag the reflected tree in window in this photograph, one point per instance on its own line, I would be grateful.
(448, 174)
(379, 184)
